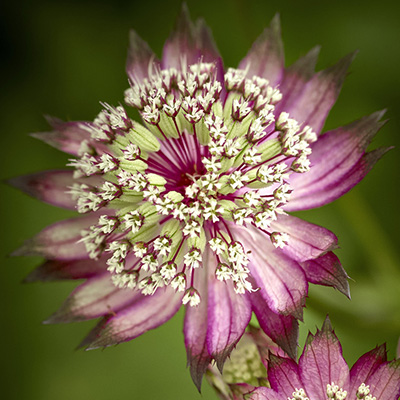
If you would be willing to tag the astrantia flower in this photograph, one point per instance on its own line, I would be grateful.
(190, 205)
(322, 373)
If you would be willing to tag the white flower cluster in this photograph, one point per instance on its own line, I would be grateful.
(334, 392)
(207, 156)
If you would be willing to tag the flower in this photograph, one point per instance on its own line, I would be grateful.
(190, 206)
(322, 373)
(262, 371)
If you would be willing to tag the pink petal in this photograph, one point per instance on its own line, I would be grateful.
(51, 186)
(281, 280)
(147, 312)
(67, 136)
(327, 270)
(312, 105)
(283, 375)
(240, 391)
(266, 58)
(59, 270)
(60, 240)
(338, 163)
(282, 329)
(95, 298)
(140, 58)
(385, 382)
(306, 241)
(195, 327)
(263, 393)
(295, 77)
(228, 316)
(322, 363)
(194, 42)
(365, 367)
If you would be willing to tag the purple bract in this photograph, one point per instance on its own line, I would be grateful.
(322, 373)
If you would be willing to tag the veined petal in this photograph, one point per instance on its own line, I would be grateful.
(66, 136)
(328, 271)
(283, 375)
(228, 316)
(97, 297)
(366, 366)
(195, 330)
(53, 270)
(306, 241)
(319, 95)
(147, 312)
(209, 50)
(322, 363)
(266, 58)
(50, 186)
(60, 240)
(282, 329)
(281, 280)
(385, 382)
(188, 41)
(140, 58)
(333, 173)
(295, 77)
(264, 393)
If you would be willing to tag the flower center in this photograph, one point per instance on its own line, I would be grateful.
(207, 157)
(334, 392)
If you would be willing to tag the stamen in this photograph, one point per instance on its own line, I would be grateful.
(201, 164)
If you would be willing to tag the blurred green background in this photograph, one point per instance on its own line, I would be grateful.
(62, 58)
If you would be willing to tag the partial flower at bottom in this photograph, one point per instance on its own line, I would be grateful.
(259, 370)
(190, 205)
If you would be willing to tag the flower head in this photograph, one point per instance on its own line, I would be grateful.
(191, 204)
(320, 373)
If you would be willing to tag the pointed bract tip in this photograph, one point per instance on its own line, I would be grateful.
(275, 23)
(183, 20)
(327, 325)
(274, 359)
(27, 249)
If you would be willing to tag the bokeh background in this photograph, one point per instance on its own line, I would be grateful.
(62, 57)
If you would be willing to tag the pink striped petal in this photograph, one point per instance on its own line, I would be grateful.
(283, 375)
(322, 363)
(147, 312)
(264, 393)
(66, 136)
(51, 186)
(365, 367)
(338, 163)
(306, 241)
(240, 391)
(95, 298)
(228, 316)
(266, 58)
(312, 105)
(53, 270)
(328, 271)
(193, 41)
(282, 329)
(140, 58)
(281, 280)
(295, 77)
(385, 382)
(60, 240)
(195, 326)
